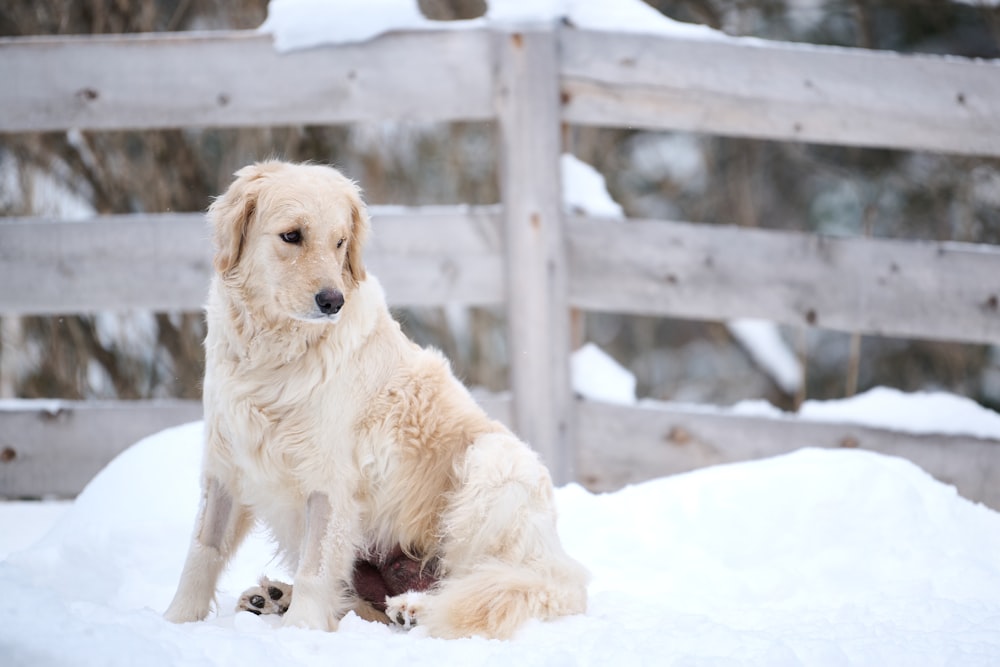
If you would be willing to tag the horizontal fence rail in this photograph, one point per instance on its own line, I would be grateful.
(428, 256)
(918, 289)
(238, 79)
(790, 92)
(162, 262)
(53, 448)
(740, 87)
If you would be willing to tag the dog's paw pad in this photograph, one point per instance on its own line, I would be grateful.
(269, 597)
(405, 609)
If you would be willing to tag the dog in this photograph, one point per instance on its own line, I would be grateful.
(349, 441)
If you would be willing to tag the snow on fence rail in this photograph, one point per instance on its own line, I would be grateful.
(529, 82)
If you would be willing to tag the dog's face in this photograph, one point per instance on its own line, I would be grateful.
(289, 238)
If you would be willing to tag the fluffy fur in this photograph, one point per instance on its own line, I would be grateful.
(346, 438)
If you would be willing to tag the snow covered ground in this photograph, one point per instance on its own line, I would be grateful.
(813, 558)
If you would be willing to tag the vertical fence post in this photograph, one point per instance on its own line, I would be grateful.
(527, 99)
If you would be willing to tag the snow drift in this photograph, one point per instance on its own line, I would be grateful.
(817, 557)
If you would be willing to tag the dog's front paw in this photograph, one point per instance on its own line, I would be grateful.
(405, 609)
(185, 611)
(306, 613)
(268, 597)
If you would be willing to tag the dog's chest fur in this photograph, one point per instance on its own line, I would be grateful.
(282, 421)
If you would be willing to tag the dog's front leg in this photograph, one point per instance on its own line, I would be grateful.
(220, 527)
(325, 566)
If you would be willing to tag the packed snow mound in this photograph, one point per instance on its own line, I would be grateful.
(882, 407)
(763, 342)
(598, 376)
(585, 192)
(300, 24)
(817, 557)
(924, 412)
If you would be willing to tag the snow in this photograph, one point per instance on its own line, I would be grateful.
(763, 342)
(979, 3)
(814, 558)
(300, 24)
(24, 524)
(926, 412)
(585, 191)
(923, 412)
(597, 376)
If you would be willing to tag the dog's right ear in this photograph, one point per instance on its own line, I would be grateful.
(230, 216)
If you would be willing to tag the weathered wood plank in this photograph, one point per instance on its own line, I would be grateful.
(54, 448)
(431, 256)
(537, 313)
(162, 262)
(620, 445)
(158, 262)
(782, 91)
(227, 79)
(946, 291)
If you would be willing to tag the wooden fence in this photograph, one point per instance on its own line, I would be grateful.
(525, 252)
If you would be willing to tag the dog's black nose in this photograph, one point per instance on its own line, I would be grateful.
(330, 301)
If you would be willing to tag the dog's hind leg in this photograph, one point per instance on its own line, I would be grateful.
(220, 528)
(502, 562)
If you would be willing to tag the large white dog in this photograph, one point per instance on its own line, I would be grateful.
(347, 440)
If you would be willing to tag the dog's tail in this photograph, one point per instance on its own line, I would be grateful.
(495, 599)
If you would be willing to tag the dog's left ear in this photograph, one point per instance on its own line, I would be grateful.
(230, 215)
(354, 268)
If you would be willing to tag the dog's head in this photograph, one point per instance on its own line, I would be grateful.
(289, 238)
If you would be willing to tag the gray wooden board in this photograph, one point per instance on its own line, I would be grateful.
(54, 448)
(237, 79)
(619, 445)
(537, 311)
(919, 289)
(782, 91)
(727, 86)
(162, 262)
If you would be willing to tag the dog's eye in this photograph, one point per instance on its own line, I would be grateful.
(294, 236)
(340, 242)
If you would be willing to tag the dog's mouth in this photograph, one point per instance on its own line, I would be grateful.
(317, 317)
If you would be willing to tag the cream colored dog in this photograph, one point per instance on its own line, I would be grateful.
(344, 437)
